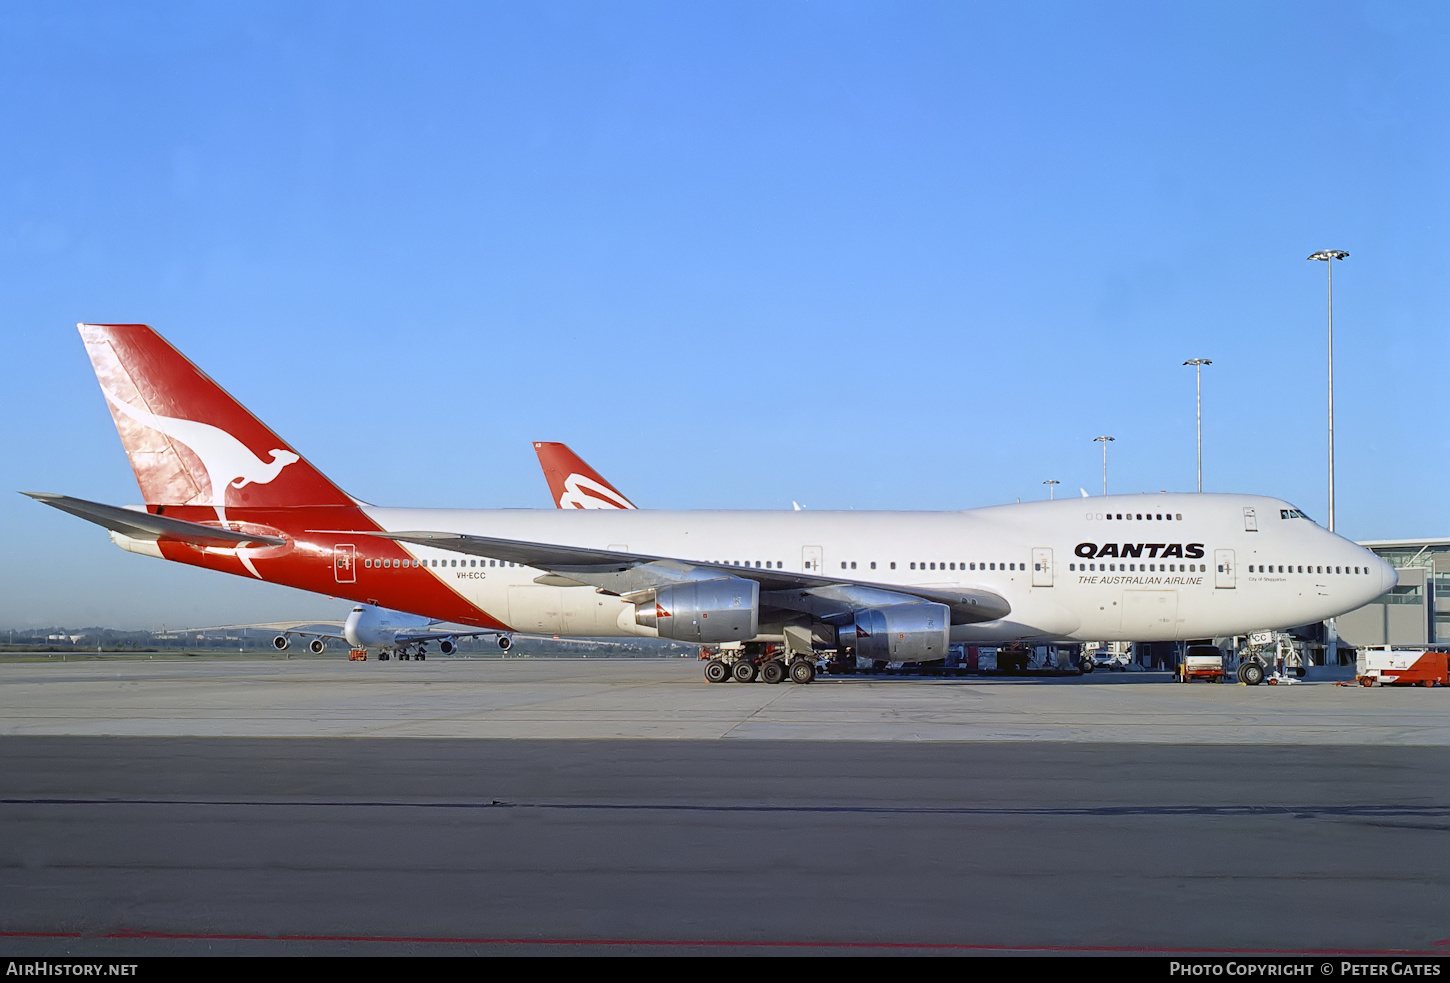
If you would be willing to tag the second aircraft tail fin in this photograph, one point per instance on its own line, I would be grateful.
(574, 484)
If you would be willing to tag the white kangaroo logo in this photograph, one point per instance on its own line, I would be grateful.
(586, 493)
(228, 461)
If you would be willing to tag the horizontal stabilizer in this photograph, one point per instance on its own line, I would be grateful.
(144, 525)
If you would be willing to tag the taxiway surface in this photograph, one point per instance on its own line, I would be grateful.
(668, 699)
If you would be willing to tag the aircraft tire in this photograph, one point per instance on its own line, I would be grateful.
(1252, 672)
(743, 671)
(773, 671)
(382, 657)
(801, 671)
(716, 671)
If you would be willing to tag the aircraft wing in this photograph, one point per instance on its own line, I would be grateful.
(281, 629)
(627, 573)
(292, 626)
(145, 525)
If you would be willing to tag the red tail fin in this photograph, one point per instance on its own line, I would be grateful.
(574, 484)
(190, 443)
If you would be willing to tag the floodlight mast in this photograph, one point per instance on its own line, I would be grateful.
(1198, 364)
(1327, 256)
(1051, 484)
(1104, 442)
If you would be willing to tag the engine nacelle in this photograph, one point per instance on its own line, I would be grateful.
(281, 643)
(505, 643)
(910, 632)
(724, 610)
(447, 647)
(317, 646)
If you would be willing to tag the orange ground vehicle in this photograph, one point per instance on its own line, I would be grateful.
(1404, 667)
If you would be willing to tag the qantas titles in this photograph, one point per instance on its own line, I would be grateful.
(1092, 551)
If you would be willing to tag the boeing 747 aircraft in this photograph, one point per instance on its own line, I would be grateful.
(222, 491)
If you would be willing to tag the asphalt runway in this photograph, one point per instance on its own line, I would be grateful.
(148, 846)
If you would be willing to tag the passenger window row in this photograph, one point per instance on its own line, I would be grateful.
(972, 566)
(1290, 568)
(1139, 516)
(1139, 567)
(386, 564)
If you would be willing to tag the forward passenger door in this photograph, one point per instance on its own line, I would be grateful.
(344, 563)
(1223, 566)
(1041, 567)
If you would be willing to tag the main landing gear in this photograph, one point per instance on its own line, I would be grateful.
(758, 660)
(404, 654)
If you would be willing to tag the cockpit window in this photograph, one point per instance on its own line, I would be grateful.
(1292, 514)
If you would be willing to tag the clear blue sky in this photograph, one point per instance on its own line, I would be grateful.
(862, 255)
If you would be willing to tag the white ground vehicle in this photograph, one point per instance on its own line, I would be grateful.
(1201, 662)
(1112, 656)
(1113, 661)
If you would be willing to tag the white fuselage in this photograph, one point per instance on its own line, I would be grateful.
(1072, 570)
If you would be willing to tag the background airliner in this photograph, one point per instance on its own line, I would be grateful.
(367, 628)
(224, 492)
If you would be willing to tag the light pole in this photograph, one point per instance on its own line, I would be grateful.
(1104, 442)
(1198, 364)
(1327, 256)
(1051, 484)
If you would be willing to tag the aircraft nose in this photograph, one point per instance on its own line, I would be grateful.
(1389, 576)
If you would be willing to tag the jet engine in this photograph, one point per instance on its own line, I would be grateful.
(447, 647)
(317, 646)
(281, 643)
(505, 643)
(916, 631)
(725, 610)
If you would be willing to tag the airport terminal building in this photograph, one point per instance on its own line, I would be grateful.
(1417, 611)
